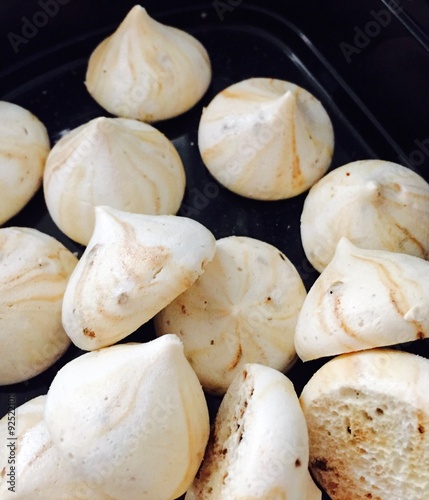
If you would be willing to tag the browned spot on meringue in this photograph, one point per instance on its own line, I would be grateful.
(88, 333)
(237, 358)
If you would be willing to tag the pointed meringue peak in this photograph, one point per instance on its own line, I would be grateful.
(374, 203)
(147, 70)
(151, 260)
(116, 161)
(131, 420)
(266, 139)
(364, 299)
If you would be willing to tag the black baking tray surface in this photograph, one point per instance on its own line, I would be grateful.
(249, 39)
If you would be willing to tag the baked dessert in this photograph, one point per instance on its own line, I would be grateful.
(24, 145)
(117, 162)
(368, 420)
(34, 271)
(242, 309)
(373, 203)
(259, 443)
(147, 70)
(133, 266)
(131, 419)
(364, 299)
(40, 472)
(266, 139)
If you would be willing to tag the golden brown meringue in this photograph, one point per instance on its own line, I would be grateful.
(147, 70)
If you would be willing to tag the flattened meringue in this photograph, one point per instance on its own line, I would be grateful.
(364, 299)
(24, 145)
(34, 271)
(375, 204)
(40, 472)
(266, 139)
(133, 266)
(131, 419)
(122, 163)
(259, 443)
(147, 70)
(243, 309)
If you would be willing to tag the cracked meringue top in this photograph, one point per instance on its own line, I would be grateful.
(266, 139)
(373, 203)
(148, 71)
(123, 163)
(364, 299)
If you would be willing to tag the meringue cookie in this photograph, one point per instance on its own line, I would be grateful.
(243, 309)
(41, 473)
(122, 163)
(266, 139)
(367, 415)
(131, 419)
(133, 266)
(364, 299)
(34, 270)
(24, 145)
(147, 70)
(259, 443)
(375, 204)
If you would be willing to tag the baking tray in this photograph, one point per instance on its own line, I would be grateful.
(249, 39)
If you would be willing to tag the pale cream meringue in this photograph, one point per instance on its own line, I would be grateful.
(243, 309)
(34, 271)
(368, 417)
(364, 299)
(375, 204)
(259, 443)
(133, 266)
(122, 163)
(147, 70)
(131, 419)
(40, 472)
(266, 139)
(24, 145)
